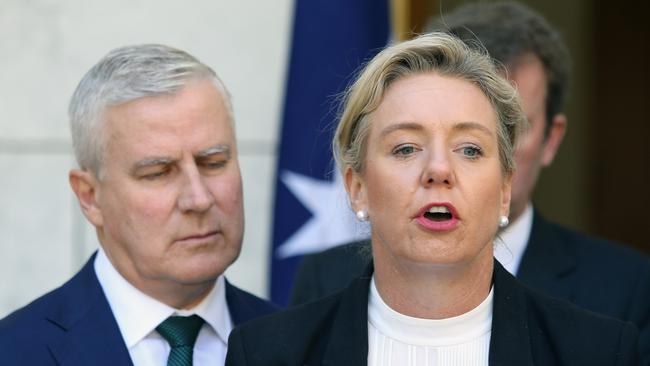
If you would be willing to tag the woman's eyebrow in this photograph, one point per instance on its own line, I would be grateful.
(473, 126)
(401, 126)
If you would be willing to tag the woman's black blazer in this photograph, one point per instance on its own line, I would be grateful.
(528, 328)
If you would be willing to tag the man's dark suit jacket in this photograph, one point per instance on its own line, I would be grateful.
(527, 328)
(74, 325)
(592, 273)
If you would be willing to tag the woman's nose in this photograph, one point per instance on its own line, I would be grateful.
(437, 169)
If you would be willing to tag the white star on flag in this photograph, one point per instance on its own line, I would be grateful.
(332, 222)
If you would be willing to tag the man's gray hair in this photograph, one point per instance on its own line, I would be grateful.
(123, 75)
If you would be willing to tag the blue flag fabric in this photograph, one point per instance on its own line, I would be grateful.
(331, 40)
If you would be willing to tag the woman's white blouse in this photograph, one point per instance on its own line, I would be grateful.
(395, 339)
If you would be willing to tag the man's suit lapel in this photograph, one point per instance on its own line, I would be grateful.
(240, 310)
(548, 263)
(244, 306)
(510, 338)
(89, 333)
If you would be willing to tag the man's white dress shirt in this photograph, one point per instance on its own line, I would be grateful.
(138, 315)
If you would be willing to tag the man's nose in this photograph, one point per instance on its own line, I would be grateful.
(195, 194)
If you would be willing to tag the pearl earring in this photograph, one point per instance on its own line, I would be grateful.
(362, 215)
(503, 221)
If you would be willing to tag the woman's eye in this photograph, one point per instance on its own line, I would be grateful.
(404, 150)
(472, 152)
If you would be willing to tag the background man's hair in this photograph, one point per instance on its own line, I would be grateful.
(509, 31)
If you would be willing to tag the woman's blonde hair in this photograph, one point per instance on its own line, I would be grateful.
(435, 52)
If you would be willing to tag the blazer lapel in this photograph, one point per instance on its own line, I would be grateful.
(349, 337)
(509, 341)
(244, 306)
(548, 263)
(510, 338)
(90, 335)
(240, 310)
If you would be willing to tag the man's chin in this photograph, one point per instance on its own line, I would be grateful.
(199, 271)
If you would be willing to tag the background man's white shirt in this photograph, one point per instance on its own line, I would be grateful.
(509, 247)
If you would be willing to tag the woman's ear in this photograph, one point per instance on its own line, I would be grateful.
(85, 187)
(506, 194)
(355, 187)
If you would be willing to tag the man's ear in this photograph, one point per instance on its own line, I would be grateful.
(84, 184)
(356, 190)
(554, 139)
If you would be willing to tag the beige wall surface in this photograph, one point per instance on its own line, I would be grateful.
(48, 45)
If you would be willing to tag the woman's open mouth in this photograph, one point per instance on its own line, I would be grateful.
(438, 213)
(437, 217)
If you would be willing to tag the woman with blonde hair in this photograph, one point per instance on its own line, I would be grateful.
(425, 145)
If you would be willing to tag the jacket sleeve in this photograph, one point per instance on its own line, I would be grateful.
(306, 286)
(628, 347)
(640, 313)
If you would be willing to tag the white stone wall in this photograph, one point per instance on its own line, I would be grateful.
(47, 45)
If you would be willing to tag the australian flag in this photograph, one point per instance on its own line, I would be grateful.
(331, 40)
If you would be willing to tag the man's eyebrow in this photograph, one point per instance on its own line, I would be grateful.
(216, 149)
(147, 162)
(401, 126)
(161, 160)
(473, 126)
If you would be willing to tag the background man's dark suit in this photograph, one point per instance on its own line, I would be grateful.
(74, 325)
(527, 328)
(592, 273)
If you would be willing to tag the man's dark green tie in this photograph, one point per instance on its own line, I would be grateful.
(181, 333)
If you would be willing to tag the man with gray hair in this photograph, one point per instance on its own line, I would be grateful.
(159, 178)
